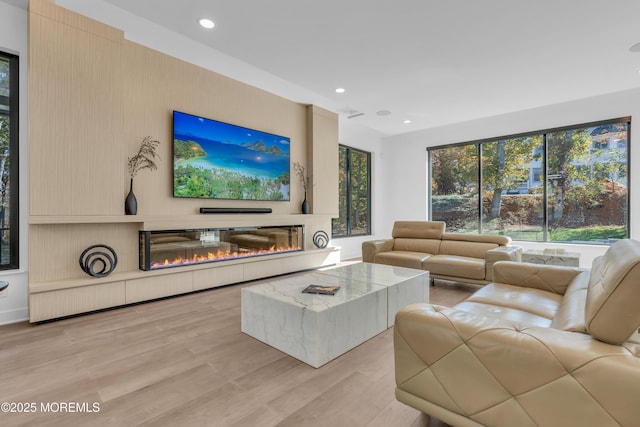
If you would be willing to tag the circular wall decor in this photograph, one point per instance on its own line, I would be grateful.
(321, 239)
(98, 260)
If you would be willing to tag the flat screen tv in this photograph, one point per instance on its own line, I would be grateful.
(216, 160)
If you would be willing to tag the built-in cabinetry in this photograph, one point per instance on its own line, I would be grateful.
(58, 287)
(49, 300)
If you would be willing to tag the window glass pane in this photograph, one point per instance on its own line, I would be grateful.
(587, 184)
(454, 187)
(359, 212)
(511, 188)
(354, 187)
(4, 85)
(5, 163)
(339, 225)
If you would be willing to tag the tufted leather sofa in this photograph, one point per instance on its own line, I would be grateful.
(542, 346)
(424, 245)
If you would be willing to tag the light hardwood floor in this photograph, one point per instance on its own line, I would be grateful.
(184, 362)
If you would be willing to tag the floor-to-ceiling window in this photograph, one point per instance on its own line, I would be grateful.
(8, 161)
(454, 187)
(512, 201)
(566, 184)
(354, 193)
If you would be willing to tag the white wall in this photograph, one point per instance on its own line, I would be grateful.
(13, 39)
(358, 136)
(406, 157)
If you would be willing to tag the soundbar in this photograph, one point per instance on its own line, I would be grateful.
(234, 210)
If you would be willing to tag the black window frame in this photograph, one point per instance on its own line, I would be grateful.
(543, 133)
(348, 193)
(14, 116)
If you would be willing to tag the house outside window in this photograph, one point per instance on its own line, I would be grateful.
(8, 161)
(354, 193)
(559, 185)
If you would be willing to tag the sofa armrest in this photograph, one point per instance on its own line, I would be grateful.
(372, 247)
(471, 364)
(550, 278)
(501, 253)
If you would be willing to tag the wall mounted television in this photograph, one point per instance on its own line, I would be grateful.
(217, 160)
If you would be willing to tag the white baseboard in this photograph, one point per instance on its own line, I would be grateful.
(14, 316)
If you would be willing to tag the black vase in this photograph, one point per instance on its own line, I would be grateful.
(305, 204)
(130, 203)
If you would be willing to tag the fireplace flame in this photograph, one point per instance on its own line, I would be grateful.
(221, 256)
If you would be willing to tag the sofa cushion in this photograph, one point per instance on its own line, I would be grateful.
(418, 229)
(402, 258)
(521, 318)
(521, 305)
(455, 266)
(570, 314)
(466, 248)
(428, 246)
(612, 313)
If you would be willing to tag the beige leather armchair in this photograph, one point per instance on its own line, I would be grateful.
(542, 346)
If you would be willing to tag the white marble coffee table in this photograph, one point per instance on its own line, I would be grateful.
(318, 328)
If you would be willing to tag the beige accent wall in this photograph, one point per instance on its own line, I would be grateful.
(75, 114)
(323, 160)
(157, 84)
(93, 96)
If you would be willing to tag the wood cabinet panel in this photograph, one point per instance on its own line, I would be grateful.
(311, 259)
(158, 286)
(54, 250)
(259, 269)
(217, 276)
(50, 305)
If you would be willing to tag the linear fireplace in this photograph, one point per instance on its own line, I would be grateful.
(174, 248)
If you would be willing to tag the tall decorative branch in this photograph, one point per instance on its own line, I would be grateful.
(145, 158)
(304, 179)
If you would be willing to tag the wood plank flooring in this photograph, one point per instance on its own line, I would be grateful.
(184, 362)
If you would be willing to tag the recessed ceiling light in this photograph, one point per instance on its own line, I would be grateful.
(340, 90)
(406, 122)
(206, 23)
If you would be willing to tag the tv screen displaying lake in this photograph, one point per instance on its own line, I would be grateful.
(216, 160)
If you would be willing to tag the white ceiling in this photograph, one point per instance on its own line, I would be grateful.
(433, 62)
